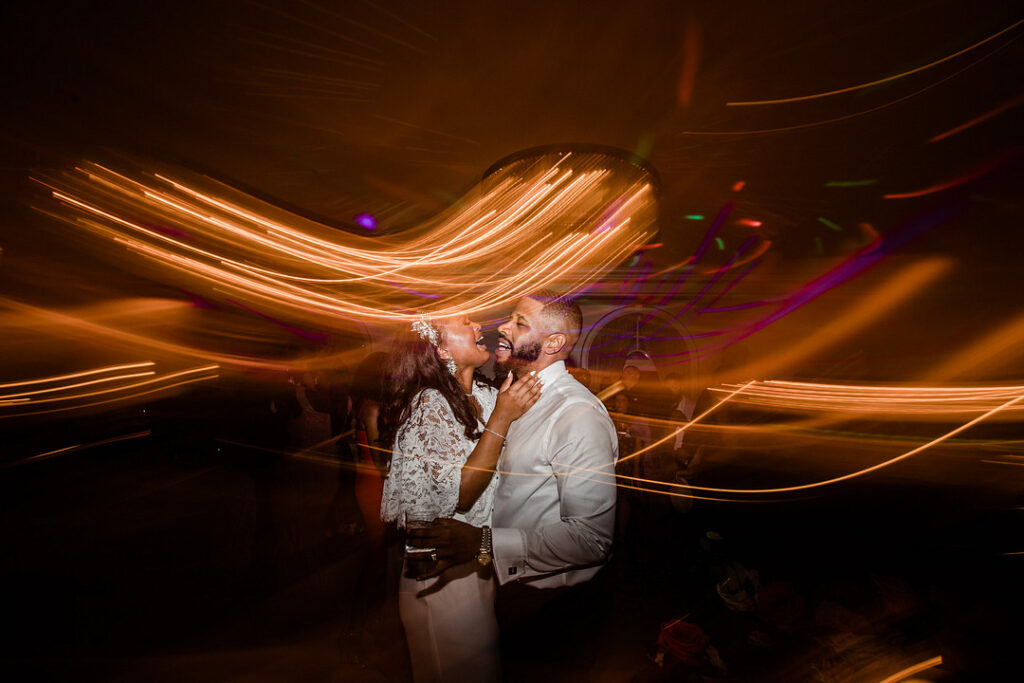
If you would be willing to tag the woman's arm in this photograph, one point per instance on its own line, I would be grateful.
(513, 401)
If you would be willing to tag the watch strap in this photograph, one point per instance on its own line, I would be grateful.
(486, 545)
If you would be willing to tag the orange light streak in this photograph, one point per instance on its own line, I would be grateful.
(87, 325)
(116, 399)
(758, 252)
(874, 239)
(895, 291)
(77, 447)
(686, 426)
(865, 400)
(129, 387)
(852, 475)
(30, 394)
(539, 221)
(674, 489)
(76, 375)
(962, 180)
(1003, 462)
(999, 345)
(847, 117)
(1006, 106)
(887, 79)
(911, 670)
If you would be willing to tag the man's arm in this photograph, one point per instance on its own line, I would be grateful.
(584, 448)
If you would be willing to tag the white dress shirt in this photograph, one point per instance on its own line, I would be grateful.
(554, 507)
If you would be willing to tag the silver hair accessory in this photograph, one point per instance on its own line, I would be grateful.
(428, 333)
(425, 329)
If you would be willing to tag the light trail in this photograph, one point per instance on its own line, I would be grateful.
(30, 395)
(911, 670)
(87, 325)
(1000, 345)
(76, 375)
(125, 391)
(879, 81)
(847, 117)
(551, 219)
(868, 400)
(72, 449)
(1006, 106)
(689, 424)
(680, 490)
(851, 475)
(1003, 462)
(961, 180)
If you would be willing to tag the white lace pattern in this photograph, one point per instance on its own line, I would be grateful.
(426, 466)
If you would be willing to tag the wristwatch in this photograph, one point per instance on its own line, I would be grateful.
(483, 558)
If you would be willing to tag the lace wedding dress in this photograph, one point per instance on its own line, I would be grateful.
(449, 620)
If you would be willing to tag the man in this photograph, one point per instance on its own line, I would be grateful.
(678, 401)
(554, 508)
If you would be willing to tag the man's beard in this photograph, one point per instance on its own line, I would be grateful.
(520, 357)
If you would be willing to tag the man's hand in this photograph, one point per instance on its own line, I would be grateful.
(456, 542)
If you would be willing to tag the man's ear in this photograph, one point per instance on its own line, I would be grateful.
(555, 343)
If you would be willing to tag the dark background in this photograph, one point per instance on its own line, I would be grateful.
(181, 556)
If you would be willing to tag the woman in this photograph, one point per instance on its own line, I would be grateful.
(447, 430)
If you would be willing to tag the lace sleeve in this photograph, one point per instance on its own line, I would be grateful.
(426, 467)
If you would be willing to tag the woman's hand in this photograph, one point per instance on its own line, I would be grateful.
(515, 399)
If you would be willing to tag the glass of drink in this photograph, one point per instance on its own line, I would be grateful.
(418, 560)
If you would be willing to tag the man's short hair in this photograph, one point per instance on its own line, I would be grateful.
(562, 312)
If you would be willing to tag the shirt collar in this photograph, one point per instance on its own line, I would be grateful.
(551, 373)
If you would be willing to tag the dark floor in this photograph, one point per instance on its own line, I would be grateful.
(168, 558)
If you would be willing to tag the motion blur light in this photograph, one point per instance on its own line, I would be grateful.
(366, 220)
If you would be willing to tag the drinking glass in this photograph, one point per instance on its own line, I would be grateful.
(418, 560)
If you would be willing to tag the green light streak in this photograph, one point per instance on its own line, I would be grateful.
(850, 183)
(720, 243)
(829, 224)
(694, 217)
(644, 146)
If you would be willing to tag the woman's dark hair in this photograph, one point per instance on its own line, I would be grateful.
(412, 366)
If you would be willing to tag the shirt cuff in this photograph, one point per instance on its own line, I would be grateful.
(509, 546)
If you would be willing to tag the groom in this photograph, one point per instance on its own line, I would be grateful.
(554, 507)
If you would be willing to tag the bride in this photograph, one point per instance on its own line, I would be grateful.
(446, 429)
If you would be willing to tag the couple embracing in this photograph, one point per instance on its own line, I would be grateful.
(520, 485)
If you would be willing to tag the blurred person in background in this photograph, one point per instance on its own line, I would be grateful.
(372, 460)
(373, 614)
